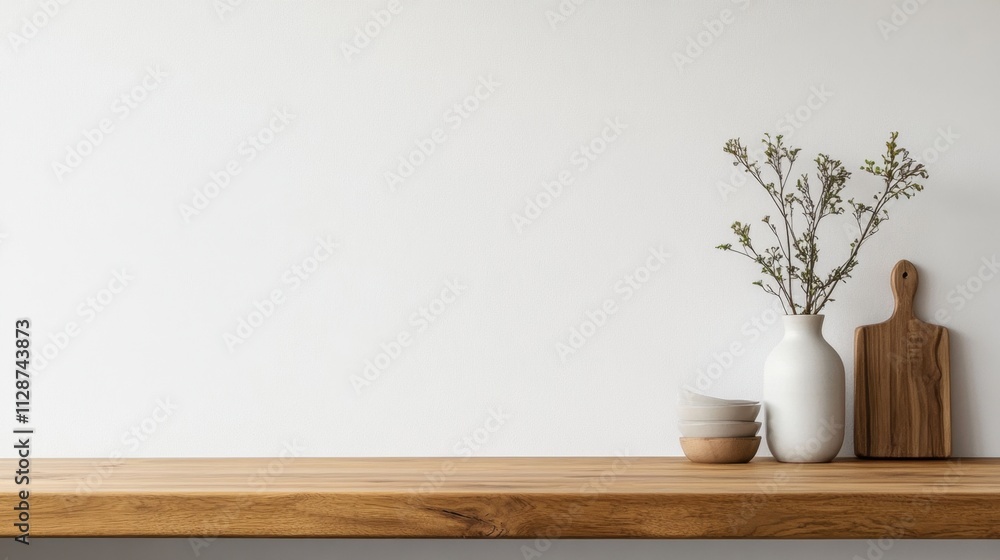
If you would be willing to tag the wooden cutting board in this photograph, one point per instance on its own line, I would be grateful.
(902, 381)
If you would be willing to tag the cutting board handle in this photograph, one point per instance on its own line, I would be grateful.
(904, 288)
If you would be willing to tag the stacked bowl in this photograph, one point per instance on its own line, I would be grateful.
(717, 430)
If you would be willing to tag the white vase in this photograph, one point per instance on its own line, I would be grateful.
(804, 394)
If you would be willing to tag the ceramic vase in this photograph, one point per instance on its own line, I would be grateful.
(804, 394)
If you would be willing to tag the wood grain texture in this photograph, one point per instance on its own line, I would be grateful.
(604, 497)
(902, 402)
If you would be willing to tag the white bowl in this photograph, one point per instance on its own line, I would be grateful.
(716, 413)
(690, 397)
(719, 429)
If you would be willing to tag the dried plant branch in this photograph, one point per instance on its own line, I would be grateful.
(795, 257)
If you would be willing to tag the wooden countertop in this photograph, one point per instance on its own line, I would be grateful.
(601, 497)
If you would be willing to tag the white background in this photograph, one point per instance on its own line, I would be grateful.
(151, 375)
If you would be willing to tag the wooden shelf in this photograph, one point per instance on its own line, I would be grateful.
(602, 497)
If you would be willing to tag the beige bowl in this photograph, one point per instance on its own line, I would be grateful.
(720, 450)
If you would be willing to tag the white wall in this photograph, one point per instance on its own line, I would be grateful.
(199, 84)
